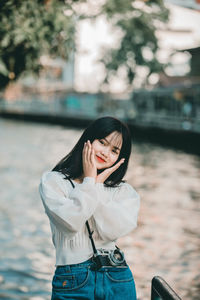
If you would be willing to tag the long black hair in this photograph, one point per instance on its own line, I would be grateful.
(71, 165)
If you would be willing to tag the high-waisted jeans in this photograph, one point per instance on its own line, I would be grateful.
(81, 282)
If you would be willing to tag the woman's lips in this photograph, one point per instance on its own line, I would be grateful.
(100, 159)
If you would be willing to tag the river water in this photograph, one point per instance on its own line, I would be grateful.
(166, 242)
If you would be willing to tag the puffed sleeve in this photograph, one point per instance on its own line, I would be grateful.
(116, 216)
(68, 208)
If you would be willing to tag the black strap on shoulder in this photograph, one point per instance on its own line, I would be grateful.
(91, 238)
(87, 224)
(68, 178)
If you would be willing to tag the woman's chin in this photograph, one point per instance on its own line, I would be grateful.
(100, 167)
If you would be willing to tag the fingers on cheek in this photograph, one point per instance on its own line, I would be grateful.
(84, 149)
(93, 154)
(86, 152)
(83, 153)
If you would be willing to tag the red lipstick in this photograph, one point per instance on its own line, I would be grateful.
(100, 159)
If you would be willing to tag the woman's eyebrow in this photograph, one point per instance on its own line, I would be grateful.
(117, 148)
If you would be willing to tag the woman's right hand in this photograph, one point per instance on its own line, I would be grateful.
(89, 166)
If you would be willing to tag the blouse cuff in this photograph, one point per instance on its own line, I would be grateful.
(100, 185)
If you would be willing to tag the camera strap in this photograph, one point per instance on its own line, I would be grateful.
(87, 224)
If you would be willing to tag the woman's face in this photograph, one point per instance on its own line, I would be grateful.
(107, 150)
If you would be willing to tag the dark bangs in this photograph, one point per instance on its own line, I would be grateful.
(71, 164)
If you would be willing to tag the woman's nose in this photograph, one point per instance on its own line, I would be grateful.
(104, 152)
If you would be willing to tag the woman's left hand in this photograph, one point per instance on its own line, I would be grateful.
(106, 173)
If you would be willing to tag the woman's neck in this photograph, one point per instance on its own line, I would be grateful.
(79, 179)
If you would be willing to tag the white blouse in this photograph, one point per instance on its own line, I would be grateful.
(112, 213)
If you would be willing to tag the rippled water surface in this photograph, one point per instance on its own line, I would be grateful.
(166, 242)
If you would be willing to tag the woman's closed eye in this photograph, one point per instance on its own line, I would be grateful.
(115, 151)
(102, 142)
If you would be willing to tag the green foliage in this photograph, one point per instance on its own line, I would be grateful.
(138, 21)
(30, 29)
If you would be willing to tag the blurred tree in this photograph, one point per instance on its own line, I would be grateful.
(30, 29)
(137, 20)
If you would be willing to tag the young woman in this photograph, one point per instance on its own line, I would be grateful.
(87, 185)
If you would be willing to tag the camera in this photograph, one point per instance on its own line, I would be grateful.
(109, 258)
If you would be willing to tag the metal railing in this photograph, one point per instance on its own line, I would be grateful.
(160, 290)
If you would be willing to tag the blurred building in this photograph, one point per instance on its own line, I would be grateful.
(180, 42)
(55, 75)
(193, 4)
(172, 103)
(194, 61)
(178, 34)
(191, 78)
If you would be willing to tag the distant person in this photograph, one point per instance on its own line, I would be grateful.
(86, 185)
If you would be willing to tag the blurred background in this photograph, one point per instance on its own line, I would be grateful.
(66, 63)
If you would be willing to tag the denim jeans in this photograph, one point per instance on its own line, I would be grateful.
(81, 282)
